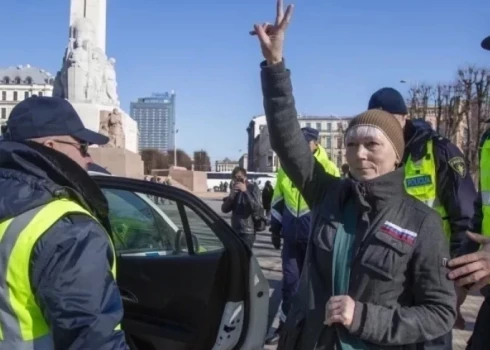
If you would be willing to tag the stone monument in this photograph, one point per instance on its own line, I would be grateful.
(88, 80)
(111, 126)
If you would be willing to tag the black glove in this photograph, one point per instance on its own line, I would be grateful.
(276, 240)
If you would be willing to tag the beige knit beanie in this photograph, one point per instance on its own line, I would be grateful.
(385, 122)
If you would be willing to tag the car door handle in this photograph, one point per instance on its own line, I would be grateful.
(126, 295)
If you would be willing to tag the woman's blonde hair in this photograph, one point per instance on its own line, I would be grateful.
(364, 131)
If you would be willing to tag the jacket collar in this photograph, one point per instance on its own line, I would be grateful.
(320, 153)
(416, 133)
(42, 174)
(378, 193)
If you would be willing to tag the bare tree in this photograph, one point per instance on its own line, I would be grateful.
(457, 110)
(412, 102)
(439, 92)
(153, 159)
(419, 101)
(447, 110)
(202, 161)
(183, 159)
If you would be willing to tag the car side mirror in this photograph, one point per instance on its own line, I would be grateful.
(181, 243)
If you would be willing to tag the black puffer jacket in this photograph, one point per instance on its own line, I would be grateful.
(243, 206)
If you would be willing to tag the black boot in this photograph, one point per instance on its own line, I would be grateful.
(273, 339)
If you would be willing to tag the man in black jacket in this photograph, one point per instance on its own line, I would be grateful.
(244, 204)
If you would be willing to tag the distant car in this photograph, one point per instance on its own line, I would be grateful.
(186, 279)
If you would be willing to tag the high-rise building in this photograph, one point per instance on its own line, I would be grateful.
(156, 121)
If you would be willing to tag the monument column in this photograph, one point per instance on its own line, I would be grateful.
(96, 12)
(87, 79)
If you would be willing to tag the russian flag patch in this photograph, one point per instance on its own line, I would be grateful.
(399, 233)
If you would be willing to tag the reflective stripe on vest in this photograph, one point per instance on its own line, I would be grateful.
(22, 325)
(485, 187)
(421, 182)
(285, 190)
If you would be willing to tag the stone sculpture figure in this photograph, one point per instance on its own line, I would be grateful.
(72, 81)
(87, 75)
(78, 75)
(116, 131)
(104, 118)
(110, 82)
(97, 63)
(112, 126)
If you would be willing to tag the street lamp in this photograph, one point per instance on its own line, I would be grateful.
(403, 81)
(175, 145)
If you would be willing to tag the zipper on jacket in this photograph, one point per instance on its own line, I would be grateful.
(362, 189)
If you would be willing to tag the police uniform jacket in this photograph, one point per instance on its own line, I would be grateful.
(290, 212)
(455, 189)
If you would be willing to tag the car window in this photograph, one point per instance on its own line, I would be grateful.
(136, 225)
(205, 236)
(144, 225)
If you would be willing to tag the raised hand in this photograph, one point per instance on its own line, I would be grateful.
(271, 36)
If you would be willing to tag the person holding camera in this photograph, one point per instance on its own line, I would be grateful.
(244, 204)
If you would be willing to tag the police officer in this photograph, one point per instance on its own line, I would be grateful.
(435, 173)
(57, 259)
(481, 220)
(290, 214)
(472, 270)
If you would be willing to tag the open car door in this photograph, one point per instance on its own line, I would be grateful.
(186, 279)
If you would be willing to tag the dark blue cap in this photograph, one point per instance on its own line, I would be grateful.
(486, 43)
(310, 134)
(389, 100)
(48, 116)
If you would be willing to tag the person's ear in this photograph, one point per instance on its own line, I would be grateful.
(49, 143)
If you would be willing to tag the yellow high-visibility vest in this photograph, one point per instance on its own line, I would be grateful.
(22, 324)
(421, 182)
(285, 190)
(485, 187)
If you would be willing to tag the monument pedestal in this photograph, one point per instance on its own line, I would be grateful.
(90, 115)
(118, 161)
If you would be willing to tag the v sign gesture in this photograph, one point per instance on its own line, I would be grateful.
(271, 36)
